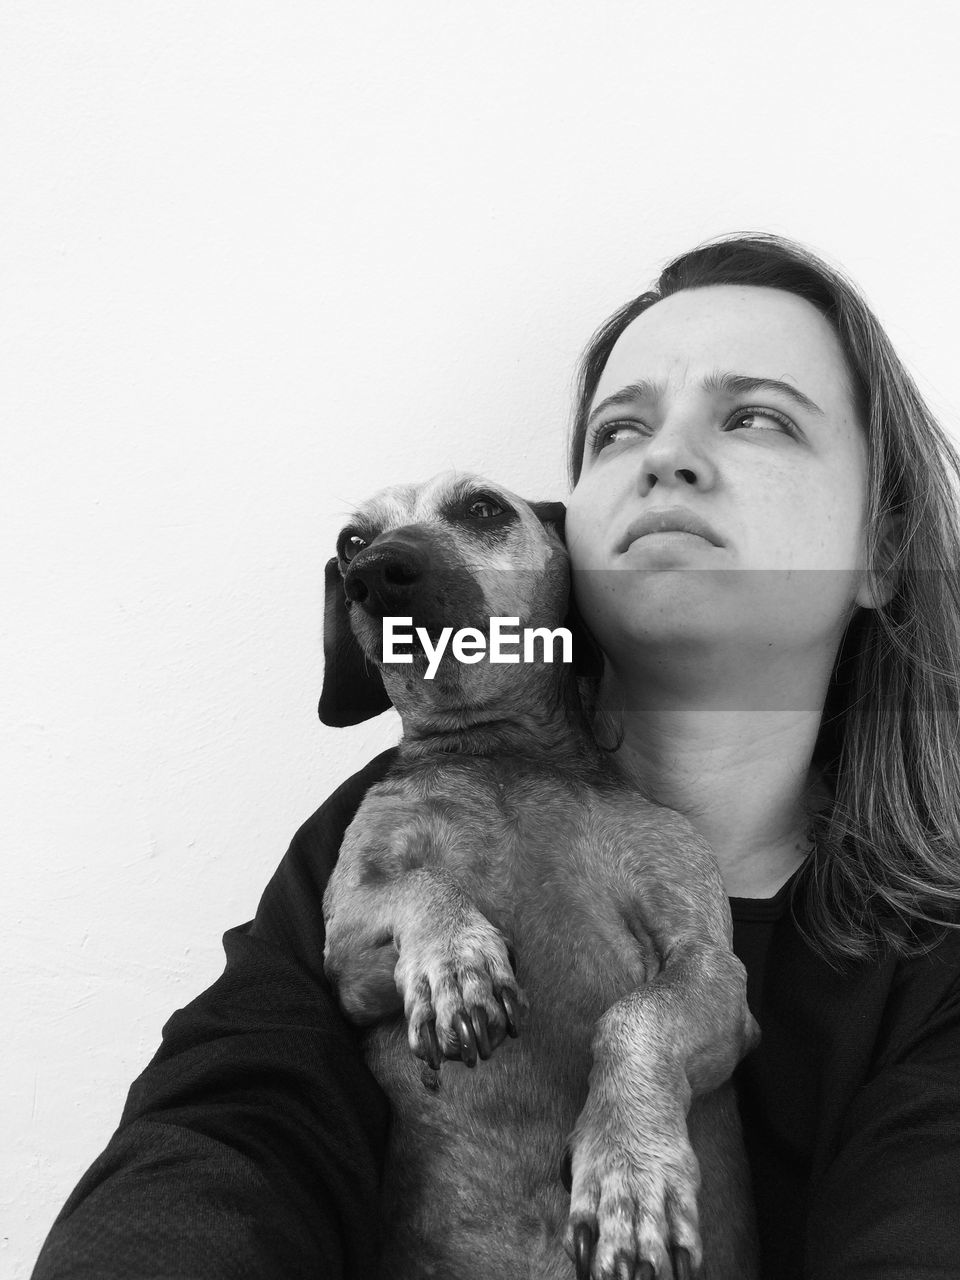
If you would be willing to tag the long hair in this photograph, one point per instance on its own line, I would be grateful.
(885, 865)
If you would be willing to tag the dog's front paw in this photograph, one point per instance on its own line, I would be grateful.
(633, 1198)
(460, 992)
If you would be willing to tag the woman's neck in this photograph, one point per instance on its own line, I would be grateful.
(742, 777)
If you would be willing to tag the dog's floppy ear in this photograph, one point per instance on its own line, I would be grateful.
(587, 654)
(352, 688)
(554, 513)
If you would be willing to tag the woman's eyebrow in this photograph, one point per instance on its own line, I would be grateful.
(627, 396)
(740, 384)
(733, 384)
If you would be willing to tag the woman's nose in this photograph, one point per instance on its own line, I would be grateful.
(676, 456)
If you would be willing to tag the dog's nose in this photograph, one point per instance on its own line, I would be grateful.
(382, 578)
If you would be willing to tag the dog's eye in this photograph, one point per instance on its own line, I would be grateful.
(484, 508)
(351, 544)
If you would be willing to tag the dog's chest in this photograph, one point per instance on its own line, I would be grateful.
(543, 857)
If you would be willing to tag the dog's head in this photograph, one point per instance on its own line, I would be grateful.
(453, 552)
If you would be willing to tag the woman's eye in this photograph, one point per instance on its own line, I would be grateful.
(760, 420)
(484, 509)
(613, 433)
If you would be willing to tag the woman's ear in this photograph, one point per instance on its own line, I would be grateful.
(881, 579)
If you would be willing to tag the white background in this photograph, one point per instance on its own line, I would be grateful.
(259, 259)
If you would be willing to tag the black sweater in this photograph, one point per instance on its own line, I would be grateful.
(251, 1145)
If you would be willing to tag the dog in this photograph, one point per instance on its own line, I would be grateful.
(506, 895)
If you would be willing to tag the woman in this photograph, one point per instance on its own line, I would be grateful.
(763, 534)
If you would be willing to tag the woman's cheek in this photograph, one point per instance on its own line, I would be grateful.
(582, 532)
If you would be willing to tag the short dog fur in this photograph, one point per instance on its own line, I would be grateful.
(505, 872)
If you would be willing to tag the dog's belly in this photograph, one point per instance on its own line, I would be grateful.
(473, 1180)
(472, 1186)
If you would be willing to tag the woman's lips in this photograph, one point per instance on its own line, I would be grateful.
(669, 520)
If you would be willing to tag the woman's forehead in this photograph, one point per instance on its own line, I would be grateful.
(695, 335)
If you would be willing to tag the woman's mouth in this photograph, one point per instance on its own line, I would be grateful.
(669, 520)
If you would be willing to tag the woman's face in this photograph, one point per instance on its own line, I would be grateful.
(722, 437)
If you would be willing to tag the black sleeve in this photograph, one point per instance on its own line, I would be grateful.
(888, 1205)
(251, 1146)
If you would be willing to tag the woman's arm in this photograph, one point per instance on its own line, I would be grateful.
(252, 1143)
(887, 1207)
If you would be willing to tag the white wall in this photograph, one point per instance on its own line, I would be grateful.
(262, 258)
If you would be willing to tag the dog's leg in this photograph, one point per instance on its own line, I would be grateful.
(400, 925)
(678, 1036)
(635, 1176)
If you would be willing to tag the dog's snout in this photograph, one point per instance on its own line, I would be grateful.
(381, 579)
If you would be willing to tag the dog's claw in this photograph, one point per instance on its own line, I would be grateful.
(681, 1264)
(468, 1041)
(512, 1012)
(482, 1033)
(583, 1249)
(430, 1045)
